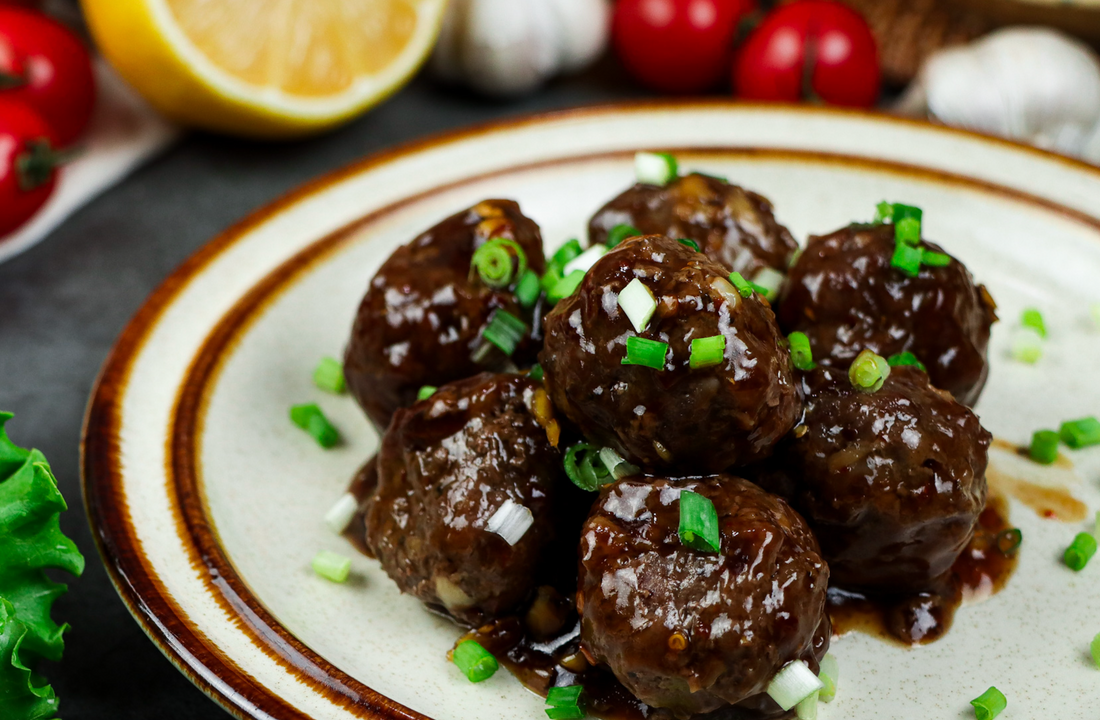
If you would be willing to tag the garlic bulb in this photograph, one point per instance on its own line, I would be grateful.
(507, 47)
(1024, 83)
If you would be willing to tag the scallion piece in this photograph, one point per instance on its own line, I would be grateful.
(1032, 318)
(1027, 345)
(907, 212)
(1080, 551)
(644, 352)
(426, 392)
(1044, 446)
(341, 513)
(793, 684)
(932, 258)
(1009, 541)
(989, 704)
(504, 330)
(638, 303)
(565, 287)
(329, 375)
(907, 259)
(707, 351)
(1081, 433)
(583, 467)
(332, 566)
(571, 249)
(868, 372)
(884, 212)
(511, 521)
(807, 709)
(1094, 648)
(535, 373)
(564, 696)
(585, 260)
(499, 261)
(906, 358)
(801, 355)
(617, 464)
(655, 168)
(310, 418)
(621, 232)
(699, 523)
(688, 242)
(528, 289)
(743, 286)
(768, 282)
(907, 231)
(475, 662)
(566, 712)
(830, 676)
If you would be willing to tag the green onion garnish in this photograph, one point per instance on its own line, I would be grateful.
(617, 464)
(647, 353)
(1081, 433)
(332, 566)
(329, 375)
(499, 261)
(342, 512)
(583, 466)
(801, 355)
(807, 709)
(907, 231)
(565, 287)
(907, 212)
(310, 418)
(504, 330)
(1027, 345)
(1032, 318)
(1079, 552)
(1094, 648)
(655, 168)
(698, 522)
(768, 282)
(884, 212)
(528, 289)
(559, 696)
(906, 358)
(830, 676)
(638, 303)
(426, 392)
(621, 232)
(585, 260)
(989, 704)
(475, 662)
(1009, 541)
(535, 373)
(707, 351)
(907, 259)
(793, 684)
(934, 259)
(868, 372)
(688, 242)
(743, 286)
(566, 712)
(1044, 446)
(568, 251)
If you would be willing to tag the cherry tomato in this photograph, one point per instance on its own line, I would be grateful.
(28, 165)
(43, 64)
(810, 49)
(679, 46)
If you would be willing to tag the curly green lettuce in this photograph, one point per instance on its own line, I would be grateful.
(31, 542)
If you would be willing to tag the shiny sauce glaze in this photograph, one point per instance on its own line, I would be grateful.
(1051, 501)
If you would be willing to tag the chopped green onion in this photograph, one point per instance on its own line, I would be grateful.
(559, 696)
(1032, 318)
(688, 242)
(1094, 648)
(567, 712)
(621, 232)
(906, 358)
(989, 704)
(830, 676)
(550, 278)
(1027, 345)
(768, 282)
(1081, 433)
(310, 418)
(655, 168)
(868, 372)
(1079, 552)
(743, 286)
(638, 303)
(707, 351)
(511, 521)
(793, 684)
(647, 353)
(907, 259)
(535, 373)
(884, 212)
(499, 261)
(342, 513)
(329, 375)
(568, 251)
(934, 259)
(585, 260)
(504, 330)
(801, 355)
(807, 709)
(1009, 541)
(332, 566)
(1044, 446)
(528, 289)
(907, 212)
(699, 523)
(566, 286)
(907, 231)
(426, 392)
(617, 464)
(475, 662)
(584, 469)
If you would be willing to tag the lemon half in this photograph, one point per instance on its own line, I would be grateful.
(265, 68)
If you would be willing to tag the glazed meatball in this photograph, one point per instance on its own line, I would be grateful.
(694, 419)
(693, 631)
(447, 466)
(422, 318)
(844, 294)
(733, 226)
(892, 482)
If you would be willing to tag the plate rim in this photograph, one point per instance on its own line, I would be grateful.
(138, 586)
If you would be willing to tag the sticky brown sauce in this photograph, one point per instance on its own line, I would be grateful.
(1048, 501)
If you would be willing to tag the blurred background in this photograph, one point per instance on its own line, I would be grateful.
(132, 131)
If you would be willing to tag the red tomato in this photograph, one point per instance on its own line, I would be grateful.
(28, 167)
(680, 46)
(46, 66)
(810, 49)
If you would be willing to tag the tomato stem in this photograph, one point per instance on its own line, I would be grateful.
(37, 163)
(9, 81)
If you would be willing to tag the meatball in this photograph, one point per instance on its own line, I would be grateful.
(694, 419)
(844, 294)
(892, 482)
(693, 631)
(733, 226)
(421, 320)
(447, 466)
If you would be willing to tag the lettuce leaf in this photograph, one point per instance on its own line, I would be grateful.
(31, 542)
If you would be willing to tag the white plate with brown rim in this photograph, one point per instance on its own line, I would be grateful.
(208, 504)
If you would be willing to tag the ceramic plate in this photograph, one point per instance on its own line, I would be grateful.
(208, 503)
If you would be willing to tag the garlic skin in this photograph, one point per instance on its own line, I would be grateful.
(1024, 83)
(510, 47)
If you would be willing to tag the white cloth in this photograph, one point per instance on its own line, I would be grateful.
(124, 133)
